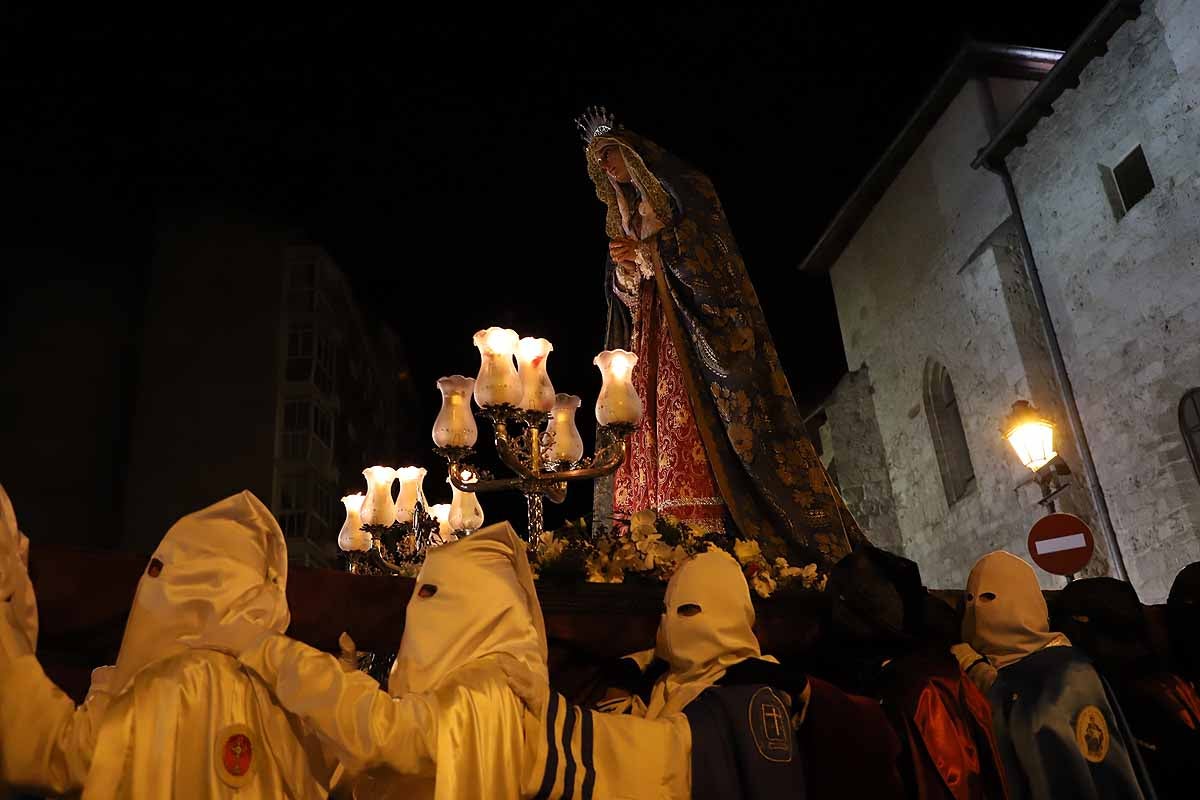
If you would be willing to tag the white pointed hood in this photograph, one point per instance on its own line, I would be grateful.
(229, 556)
(480, 601)
(1006, 617)
(14, 571)
(701, 646)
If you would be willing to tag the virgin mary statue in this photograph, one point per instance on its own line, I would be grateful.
(721, 442)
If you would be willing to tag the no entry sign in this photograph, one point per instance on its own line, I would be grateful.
(1061, 544)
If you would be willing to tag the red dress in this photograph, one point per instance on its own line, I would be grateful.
(666, 468)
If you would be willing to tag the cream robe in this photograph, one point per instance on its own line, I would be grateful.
(454, 727)
(701, 646)
(169, 720)
(160, 738)
(472, 738)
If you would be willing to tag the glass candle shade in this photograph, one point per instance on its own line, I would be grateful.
(567, 445)
(352, 538)
(537, 393)
(378, 508)
(465, 512)
(441, 512)
(618, 401)
(497, 382)
(410, 479)
(455, 424)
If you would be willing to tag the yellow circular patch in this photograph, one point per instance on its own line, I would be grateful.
(235, 754)
(1091, 734)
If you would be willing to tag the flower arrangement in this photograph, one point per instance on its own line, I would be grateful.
(651, 547)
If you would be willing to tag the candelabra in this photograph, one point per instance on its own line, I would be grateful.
(522, 446)
(536, 440)
(394, 549)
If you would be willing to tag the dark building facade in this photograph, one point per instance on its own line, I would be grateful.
(259, 370)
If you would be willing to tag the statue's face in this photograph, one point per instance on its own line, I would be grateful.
(613, 164)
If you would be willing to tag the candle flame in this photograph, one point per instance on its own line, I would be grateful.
(497, 340)
(621, 366)
(533, 350)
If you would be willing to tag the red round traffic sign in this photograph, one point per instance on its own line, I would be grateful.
(1061, 544)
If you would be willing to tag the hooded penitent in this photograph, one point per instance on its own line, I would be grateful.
(1103, 617)
(14, 575)
(772, 483)
(175, 718)
(1183, 622)
(454, 726)
(1059, 730)
(474, 598)
(876, 596)
(890, 645)
(707, 626)
(1006, 618)
(220, 560)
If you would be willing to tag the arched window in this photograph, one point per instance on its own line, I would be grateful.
(1189, 426)
(949, 438)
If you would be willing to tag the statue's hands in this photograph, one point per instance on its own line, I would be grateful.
(623, 250)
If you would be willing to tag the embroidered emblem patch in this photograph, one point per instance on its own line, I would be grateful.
(1091, 734)
(236, 750)
(771, 726)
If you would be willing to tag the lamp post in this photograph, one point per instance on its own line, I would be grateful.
(1031, 437)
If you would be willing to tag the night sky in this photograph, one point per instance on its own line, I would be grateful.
(433, 152)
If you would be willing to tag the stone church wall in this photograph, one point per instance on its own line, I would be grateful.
(1124, 291)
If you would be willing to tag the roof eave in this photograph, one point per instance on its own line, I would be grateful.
(1090, 44)
(973, 58)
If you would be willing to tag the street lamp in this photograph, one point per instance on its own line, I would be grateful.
(1031, 437)
(1030, 434)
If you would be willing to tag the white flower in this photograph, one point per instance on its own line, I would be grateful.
(625, 557)
(648, 543)
(658, 552)
(602, 569)
(763, 583)
(746, 550)
(784, 570)
(643, 523)
(551, 547)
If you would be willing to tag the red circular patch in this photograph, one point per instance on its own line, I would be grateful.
(236, 754)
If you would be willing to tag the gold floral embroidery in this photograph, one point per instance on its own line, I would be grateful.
(742, 438)
(731, 405)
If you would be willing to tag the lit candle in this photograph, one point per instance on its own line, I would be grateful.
(410, 489)
(567, 444)
(352, 538)
(465, 512)
(537, 393)
(455, 424)
(378, 508)
(441, 512)
(497, 382)
(618, 401)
